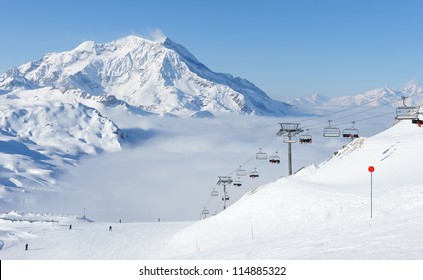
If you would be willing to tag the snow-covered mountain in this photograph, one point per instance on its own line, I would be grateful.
(159, 77)
(312, 100)
(56, 110)
(39, 140)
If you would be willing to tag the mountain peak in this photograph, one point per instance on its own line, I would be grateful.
(87, 46)
(158, 76)
(134, 40)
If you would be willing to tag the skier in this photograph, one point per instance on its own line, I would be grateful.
(26, 247)
(120, 221)
(110, 228)
(70, 227)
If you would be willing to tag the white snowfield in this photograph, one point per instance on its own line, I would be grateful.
(321, 212)
(41, 136)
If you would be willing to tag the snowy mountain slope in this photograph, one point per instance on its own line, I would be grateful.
(321, 212)
(324, 212)
(159, 77)
(39, 140)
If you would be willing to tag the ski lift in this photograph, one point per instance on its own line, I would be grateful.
(306, 138)
(261, 155)
(275, 158)
(406, 113)
(419, 119)
(290, 139)
(225, 197)
(241, 172)
(214, 192)
(254, 174)
(350, 132)
(237, 183)
(205, 211)
(330, 131)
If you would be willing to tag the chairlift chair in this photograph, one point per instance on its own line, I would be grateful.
(237, 183)
(418, 121)
(406, 112)
(419, 115)
(290, 139)
(306, 138)
(241, 172)
(214, 192)
(205, 211)
(261, 155)
(275, 158)
(330, 131)
(254, 174)
(350, 132)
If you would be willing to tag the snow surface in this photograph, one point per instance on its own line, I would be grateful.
(41, 137)
(321, 212)
(98, 128)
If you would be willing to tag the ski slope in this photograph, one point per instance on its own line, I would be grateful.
(321, 212)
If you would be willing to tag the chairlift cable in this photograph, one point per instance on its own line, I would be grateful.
(362, 104)
(359, 120)
(368, 109)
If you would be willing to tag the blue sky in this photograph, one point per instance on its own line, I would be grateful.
(287, 48)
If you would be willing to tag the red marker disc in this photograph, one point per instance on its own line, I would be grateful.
(371, 169)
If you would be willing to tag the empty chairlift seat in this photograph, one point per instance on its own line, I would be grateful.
(290, 139)
(214, 192)
(241, 172)
(261, 155)
(205, 211)
(406, 113)
(331, 131)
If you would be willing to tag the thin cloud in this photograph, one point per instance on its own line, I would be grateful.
(157, 35)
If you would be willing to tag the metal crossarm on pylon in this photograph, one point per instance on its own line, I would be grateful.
(289, 132)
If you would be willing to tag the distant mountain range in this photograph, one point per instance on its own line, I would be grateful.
(376, 97)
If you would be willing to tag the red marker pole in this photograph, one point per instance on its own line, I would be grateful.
(371, 170)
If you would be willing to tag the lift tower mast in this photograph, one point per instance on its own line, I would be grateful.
(224, 180)
(289, 132)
